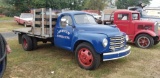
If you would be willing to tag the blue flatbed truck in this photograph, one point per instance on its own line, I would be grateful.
(77, 32)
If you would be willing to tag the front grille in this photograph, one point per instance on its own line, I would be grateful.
(156, 28)
(117, 43)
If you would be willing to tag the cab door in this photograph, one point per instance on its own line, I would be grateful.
(64, 32)
(123, 22)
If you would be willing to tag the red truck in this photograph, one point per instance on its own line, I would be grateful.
(24, 19)
(143, 33)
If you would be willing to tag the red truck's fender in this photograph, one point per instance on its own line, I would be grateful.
(149, 32)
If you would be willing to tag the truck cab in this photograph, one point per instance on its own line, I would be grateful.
(143, 33)
(77, 32)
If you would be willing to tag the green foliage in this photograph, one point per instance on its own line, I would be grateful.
(18, 6)
(95, 4)
(124, 4)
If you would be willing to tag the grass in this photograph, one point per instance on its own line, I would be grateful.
(9, 26)
(51, 62)
(6, 18)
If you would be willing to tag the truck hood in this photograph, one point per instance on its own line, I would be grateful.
(109, 30)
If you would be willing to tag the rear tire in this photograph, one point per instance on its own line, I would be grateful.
(87, 57)
(34, 42)
(27, 43)
(144, 41)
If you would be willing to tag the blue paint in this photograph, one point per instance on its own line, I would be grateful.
(67, 37)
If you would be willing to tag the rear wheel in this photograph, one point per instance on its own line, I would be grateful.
(86, 56)
(144, 41)
(34, 42)
(26, 43)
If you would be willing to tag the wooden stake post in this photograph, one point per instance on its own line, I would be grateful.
(43, 23)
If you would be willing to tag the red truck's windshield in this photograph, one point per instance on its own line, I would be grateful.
(84, 19)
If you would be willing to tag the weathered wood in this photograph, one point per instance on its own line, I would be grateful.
(45, 22)
(40, 10)
(46, 16)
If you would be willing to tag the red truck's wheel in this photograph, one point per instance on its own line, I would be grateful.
(26, 43)
(87, 57)
(144, 41)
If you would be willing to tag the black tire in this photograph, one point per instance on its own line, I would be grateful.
(156, 42)
(144, 41)
(95, 60)
(34, 42)
(27, 43)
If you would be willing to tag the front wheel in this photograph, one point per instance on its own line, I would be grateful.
(144, 41)
(86, 56)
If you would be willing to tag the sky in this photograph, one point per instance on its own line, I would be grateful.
(155, 3)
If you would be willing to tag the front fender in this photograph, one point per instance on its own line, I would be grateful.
(153, 34)
(94, 39)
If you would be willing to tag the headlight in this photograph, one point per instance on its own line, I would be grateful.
(127, 38)
(105, 42)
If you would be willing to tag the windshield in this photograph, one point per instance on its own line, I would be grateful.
(84, 19)
(134, 16)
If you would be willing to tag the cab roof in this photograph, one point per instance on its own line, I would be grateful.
(125, 11)
(74, 12)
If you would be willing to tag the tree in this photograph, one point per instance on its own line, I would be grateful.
(124, 4)
(19, 6)
(95, 4)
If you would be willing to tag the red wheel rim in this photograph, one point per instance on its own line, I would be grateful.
(143, 42)
(25, 44)
(85, 57)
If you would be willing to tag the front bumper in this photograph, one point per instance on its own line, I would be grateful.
(117, 54)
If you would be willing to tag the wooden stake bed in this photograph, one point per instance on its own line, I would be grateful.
(42, 26)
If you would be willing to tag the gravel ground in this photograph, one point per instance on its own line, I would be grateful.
(9, 35)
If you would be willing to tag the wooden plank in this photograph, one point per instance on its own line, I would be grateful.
(45, 22)
(36, 31)
(23, 30)
(40, 10)
(38, 16)
(46, 16)
(53, 16)
(47, 31)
